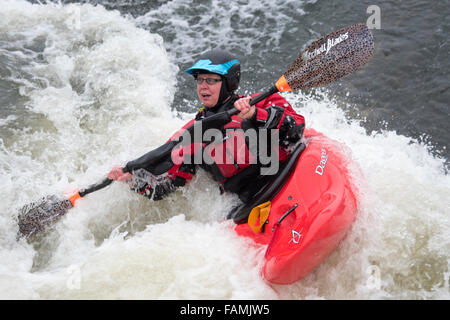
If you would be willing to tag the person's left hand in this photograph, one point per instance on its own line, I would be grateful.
(246, 110)
(117, 173)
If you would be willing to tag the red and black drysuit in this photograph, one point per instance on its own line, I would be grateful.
(234, 175)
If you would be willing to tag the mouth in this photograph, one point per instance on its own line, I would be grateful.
(205, 95)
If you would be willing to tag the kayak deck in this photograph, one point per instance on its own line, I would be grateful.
(309, 216)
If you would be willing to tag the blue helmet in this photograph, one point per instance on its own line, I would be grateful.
(223, 63)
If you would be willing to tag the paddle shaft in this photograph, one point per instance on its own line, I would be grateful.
(325, 60)
(256, 99)
(313, 67)
(92, 188)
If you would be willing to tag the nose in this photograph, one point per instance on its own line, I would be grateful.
(203, 84)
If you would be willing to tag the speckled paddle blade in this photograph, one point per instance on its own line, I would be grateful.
(37, 216)
(331, 57)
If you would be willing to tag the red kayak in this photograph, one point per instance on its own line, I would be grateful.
(305, 213)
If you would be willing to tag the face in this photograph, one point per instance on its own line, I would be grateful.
(208, 93)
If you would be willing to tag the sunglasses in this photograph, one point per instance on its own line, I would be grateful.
(209, 81)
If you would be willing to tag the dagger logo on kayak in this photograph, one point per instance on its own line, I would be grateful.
(323, 162)
(296, 236)
(325, 47)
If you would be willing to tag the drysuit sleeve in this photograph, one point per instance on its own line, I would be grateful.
(160, 172)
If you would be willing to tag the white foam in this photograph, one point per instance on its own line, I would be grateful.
(227, 24)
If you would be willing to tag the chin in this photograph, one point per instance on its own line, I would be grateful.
(208, 104)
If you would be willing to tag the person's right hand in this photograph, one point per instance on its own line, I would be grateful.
(246, 110)
(116, 173)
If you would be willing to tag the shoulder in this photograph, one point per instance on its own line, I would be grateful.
(273, 100)
(180, 131)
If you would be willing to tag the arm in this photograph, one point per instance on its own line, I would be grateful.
(155, 174)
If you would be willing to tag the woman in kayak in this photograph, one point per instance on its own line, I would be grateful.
(232, 159)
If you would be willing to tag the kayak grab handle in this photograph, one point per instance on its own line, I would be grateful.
(284, 216)
(275, 230)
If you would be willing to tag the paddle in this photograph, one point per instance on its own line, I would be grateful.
(37, 216)
(325, 60)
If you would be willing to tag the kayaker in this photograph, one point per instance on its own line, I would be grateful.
(217, 75)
